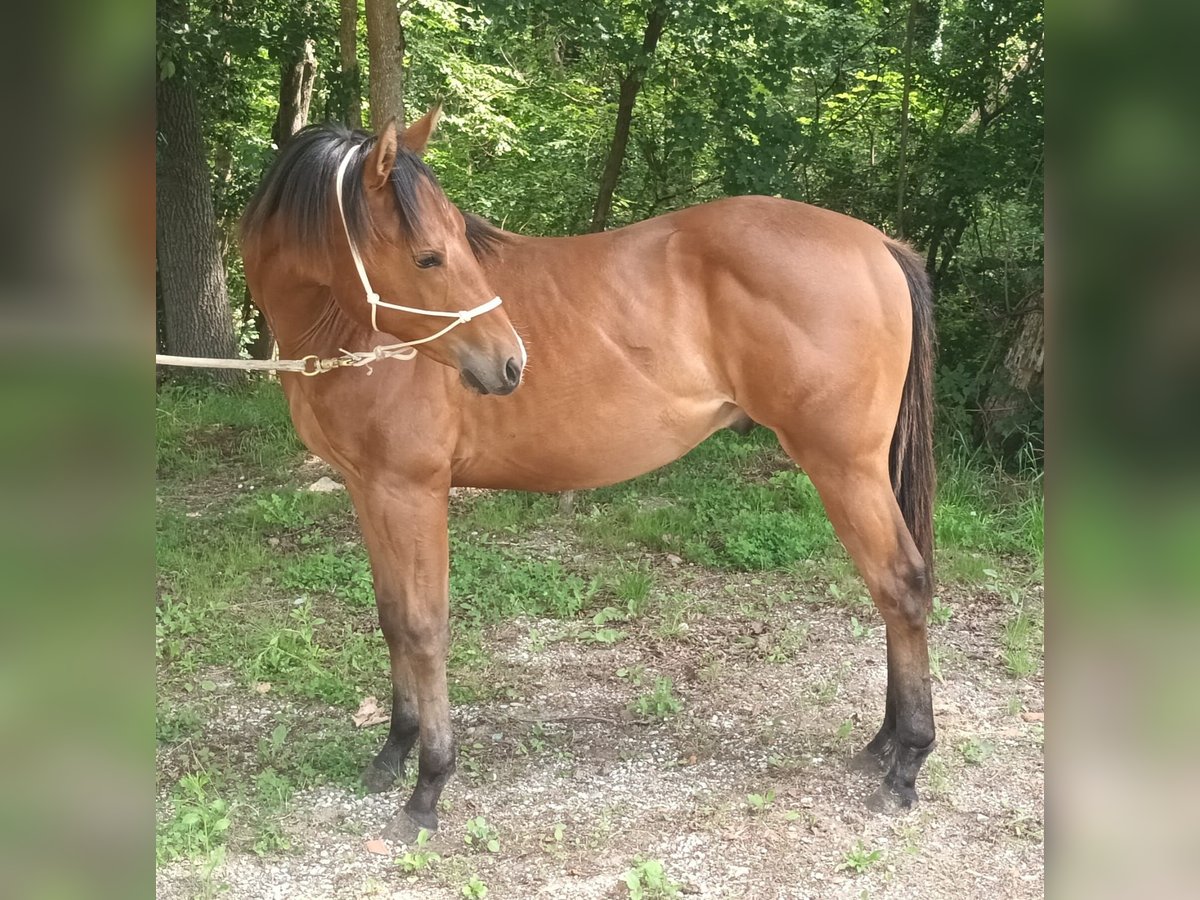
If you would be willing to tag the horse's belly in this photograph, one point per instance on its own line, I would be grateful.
(575, 451)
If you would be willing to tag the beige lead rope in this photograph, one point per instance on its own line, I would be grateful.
(308, 365)
(315, 365)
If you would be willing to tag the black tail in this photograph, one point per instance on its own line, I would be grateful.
(911, 459)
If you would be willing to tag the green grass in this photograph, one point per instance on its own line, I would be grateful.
(647, 879)
(201, 429)
(858, 859)
(659, 703)
(265, 587)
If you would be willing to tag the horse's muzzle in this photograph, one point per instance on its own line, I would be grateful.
(501, 380)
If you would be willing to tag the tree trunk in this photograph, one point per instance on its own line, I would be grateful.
(196, 309)
(295, 94)
(351, 85)
(906, 95)
(1017, 389)
(630, 85)
(385, 46)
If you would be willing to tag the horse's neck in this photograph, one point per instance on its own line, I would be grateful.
(309, 321)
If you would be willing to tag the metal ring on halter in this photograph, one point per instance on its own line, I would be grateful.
(316, 365)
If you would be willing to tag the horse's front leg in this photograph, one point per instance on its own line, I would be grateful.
(405, 527)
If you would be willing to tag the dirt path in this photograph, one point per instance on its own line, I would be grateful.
(772, 704)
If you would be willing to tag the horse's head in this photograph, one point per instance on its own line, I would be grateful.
(415, 257)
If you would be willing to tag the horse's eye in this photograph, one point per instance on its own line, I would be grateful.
(429, 260)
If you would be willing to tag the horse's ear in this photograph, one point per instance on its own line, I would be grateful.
(416, 136)
(378, 168)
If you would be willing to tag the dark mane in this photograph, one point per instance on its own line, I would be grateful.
(296, 190)
(482, 235)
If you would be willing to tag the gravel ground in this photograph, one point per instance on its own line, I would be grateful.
(771, 702)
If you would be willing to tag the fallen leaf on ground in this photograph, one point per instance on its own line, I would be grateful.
(378, 847)
(1033, 716)
(369, 713)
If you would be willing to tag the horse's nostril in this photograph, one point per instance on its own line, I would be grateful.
(512, 370)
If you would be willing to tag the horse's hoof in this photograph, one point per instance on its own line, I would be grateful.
(888, 800)
(378, 779)
(404, 830)
(867, 762)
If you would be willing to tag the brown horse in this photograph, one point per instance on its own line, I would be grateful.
(641, 342)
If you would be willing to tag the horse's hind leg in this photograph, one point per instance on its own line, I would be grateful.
(858, 497)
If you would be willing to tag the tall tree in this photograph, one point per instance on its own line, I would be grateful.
(385, 45)
(905, 100)
(631, 83)
(351, 84)
(198, 319)
(296, 77)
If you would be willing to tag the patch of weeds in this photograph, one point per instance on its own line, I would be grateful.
(199, 430)
(480, 835)
(200, 826)
(1020, 641)
(760, 803)
(470, 668)
(418, 859)
(474, 889)
(289, 511)
(976, 751)
(489, 584)
(648, 880)
(935, 776)
(602, 635)
(660, 702)
(858, 859)
(328, 750)
(770, 539)
(714, 508)
(710, 672)
(935, 663)
(273, 794)
(959, 566)
(346, 576)
(788, 644)
(1024, 826)
(672, 611)
(824, 692)
(537, 639)
(844, 730)
(635, 675)
(174, 725)
(848, 597)
(632, 587)
(940, 613)
(271, 746)
(858, 630)
(289, 657)
(178, 622)
(507, 511)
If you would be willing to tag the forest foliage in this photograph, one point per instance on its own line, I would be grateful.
(923, 118)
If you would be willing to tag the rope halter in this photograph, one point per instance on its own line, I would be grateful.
(458, 318)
